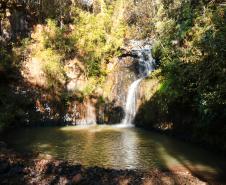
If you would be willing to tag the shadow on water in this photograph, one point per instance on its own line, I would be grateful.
(108, 152)
(180, 156)
(179, 122)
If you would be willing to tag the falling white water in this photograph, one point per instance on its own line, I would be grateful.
(130, 110)
(142, 50)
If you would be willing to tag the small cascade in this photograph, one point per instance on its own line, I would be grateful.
(130, 110)
(87, 118)
(142, 51)
(90, 116)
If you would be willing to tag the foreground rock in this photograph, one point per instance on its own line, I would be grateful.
(25, 169)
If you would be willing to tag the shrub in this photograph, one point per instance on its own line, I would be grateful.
(5, 59)
(97, 38)
(52, 67)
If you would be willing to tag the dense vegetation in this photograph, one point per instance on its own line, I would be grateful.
(190, 45)
(60, 32)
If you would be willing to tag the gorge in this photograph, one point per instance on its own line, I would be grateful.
(112, 92)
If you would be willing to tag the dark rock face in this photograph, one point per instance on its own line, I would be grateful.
(135, 62)
(19, 23)
(123, 76)
(117, 114)
(114, 115)
(117, 84)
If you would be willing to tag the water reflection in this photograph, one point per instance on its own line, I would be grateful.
(103, 146)
(114, 147)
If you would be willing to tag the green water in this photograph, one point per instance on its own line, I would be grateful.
(112, 147)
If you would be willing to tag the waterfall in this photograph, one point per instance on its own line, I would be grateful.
(142, 51)
(130, 110)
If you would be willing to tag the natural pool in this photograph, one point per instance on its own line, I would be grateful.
(113, 147)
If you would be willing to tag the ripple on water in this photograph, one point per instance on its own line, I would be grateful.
(114, 147)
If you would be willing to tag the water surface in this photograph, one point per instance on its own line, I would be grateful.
(112, 147)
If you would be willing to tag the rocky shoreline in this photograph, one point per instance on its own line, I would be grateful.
(29, 169)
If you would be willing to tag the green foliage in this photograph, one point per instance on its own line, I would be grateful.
(51, 36)
(195, 68)
(5, 60)
(190, 43)
(57, 38)
(90, 87)
(139, 15)
(191, 46)
(97, 37)
(14, 108)
(52, 67)
(51, 45)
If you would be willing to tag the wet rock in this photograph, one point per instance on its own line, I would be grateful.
(116, 114)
